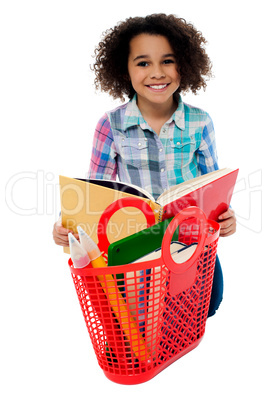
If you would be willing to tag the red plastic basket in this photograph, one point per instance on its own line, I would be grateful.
(160, 313)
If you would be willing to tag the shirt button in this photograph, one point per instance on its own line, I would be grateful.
(178, 143)
(160, 150)
(162, 170)
(145, 139)
(139, 144)
(164, 130)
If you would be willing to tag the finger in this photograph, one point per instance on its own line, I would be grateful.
(60, 238)
(228, 230)
(225, 224)
(61, 230)
(63, 239)
(62, 243)
(60, 235)
(227, 214)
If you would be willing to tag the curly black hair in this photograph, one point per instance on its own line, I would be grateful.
(111, 55)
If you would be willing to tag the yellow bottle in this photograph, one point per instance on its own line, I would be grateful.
(115, 298)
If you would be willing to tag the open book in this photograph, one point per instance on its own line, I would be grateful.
(83, 202)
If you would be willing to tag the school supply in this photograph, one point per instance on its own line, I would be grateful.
(180, 253)
(141, 286)
(130, 248)
(138, 284)
(179, 295)
(83, 202)
(117, 303)
(79, 256)
(137, 245)
(93, 251)
(80, 259)
(137, 248)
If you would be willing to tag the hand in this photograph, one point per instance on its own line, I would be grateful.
(227, 222)
(60, 234)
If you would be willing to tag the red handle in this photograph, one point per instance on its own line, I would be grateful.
(116, 206)
(183, 274)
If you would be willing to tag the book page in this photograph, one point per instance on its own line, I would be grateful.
(83, 203)
(175, 247)
(175, 192)
(121, 186)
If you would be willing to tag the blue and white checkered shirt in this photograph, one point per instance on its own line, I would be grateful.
(126, 146)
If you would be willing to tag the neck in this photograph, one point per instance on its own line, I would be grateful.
(155, 111)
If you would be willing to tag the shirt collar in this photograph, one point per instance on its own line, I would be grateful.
(133, 116)
(178, 115)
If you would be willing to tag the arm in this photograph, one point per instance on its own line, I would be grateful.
(102, 166)
(207, 162)
(207, 152)
(60, 234)
(103, 163)
(227, 223)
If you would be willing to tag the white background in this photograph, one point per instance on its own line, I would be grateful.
(49, 110)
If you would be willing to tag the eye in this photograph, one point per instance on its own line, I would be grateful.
(169, 61)
(142, 64)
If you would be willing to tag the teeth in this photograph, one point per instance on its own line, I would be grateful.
(158, 86)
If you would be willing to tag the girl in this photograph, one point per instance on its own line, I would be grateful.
(154, 140)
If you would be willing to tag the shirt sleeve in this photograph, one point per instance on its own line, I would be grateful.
(207, 152)
(103, 163)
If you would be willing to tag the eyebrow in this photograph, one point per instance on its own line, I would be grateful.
(145, 56)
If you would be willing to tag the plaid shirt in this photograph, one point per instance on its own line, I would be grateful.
(125, 145)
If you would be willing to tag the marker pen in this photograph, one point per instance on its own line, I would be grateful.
(118, 304)
(97, 260)
(79, 256)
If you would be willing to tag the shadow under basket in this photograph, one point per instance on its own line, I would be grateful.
(140, 325)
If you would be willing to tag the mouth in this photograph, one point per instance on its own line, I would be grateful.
(158, 87)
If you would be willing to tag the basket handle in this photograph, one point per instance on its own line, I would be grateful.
(182, 275)
(116, 206)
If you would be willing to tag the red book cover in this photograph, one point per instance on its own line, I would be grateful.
(213, 198)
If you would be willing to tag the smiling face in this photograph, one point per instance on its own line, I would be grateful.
(153, 70)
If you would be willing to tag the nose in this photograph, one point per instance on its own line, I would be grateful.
(157, 71)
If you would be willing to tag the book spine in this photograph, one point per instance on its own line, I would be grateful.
(160, 215)
(157, 210)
